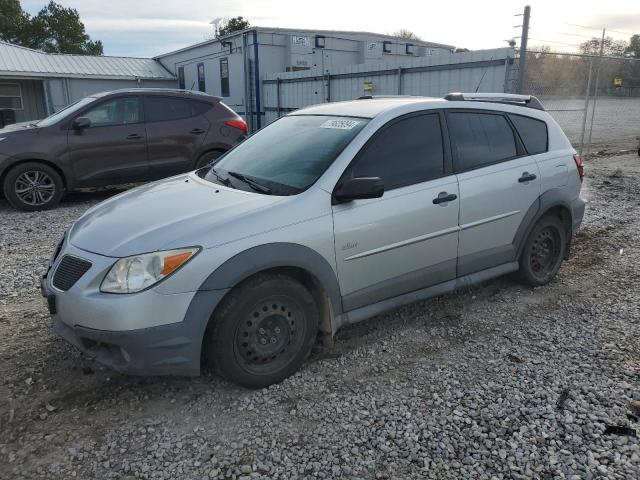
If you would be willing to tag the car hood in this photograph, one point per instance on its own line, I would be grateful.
(176, 212)
(18, 127)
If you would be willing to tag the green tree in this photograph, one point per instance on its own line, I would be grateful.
(13, 21)
(55, 29)
(633, 50)
(612, 48)
(231, 25)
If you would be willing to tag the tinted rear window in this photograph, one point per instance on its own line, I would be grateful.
(480, 139)
(159, 109)
(533, 133)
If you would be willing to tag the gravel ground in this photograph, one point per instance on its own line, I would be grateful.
(500, 381)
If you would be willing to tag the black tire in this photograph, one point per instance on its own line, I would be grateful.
(263, 331)
(543, 251)
(207, 158)
(33, 186)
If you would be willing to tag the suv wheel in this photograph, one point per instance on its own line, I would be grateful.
(33, 186)
(263, 331)
(543, 251)
(207, 158)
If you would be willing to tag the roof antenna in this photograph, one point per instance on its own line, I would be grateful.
(483, 74)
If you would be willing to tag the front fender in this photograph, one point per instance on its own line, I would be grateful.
(274, 255)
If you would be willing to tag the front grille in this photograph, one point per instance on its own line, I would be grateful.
(69, 272)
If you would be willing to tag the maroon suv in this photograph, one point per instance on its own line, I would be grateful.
(112, 138)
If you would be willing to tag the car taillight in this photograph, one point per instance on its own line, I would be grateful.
(239, 124)
(579, 165)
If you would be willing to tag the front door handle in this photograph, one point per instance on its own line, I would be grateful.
(134, 136)
(197, 131)
(444, 197)
(527, 177)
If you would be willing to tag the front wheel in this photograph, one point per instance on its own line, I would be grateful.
(33, 186)
(263, 331)
(543, 251)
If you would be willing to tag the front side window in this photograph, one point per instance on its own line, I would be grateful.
(117, 111)
(290, 154)
(408, 151)
(480, 139)
(161, 109)
(201, 82)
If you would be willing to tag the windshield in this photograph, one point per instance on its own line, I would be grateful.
(60, 114)
(287, 156)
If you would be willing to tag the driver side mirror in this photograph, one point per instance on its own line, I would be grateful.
(81, 123)
(359, 188)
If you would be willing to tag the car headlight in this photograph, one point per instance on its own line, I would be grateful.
(135, 273)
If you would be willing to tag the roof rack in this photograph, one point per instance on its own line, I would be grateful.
(509, 98)
(372, 97)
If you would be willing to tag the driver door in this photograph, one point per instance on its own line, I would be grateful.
(113, 149)
(403, 241)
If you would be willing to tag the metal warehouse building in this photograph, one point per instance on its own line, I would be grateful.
(233, 66)
(34, 84)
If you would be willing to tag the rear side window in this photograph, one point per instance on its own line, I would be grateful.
(480, 139)
(161, 109)
(533, 133)
(407, 152)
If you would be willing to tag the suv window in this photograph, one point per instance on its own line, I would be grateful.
(408, 151)
(480, 139)
(533, 133)
(117, 111)
(160, 109)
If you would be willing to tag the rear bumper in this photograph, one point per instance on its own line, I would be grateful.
(577, 212)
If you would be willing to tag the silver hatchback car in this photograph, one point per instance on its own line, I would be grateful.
(328, 216)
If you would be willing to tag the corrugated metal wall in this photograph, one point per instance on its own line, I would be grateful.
(435, 76)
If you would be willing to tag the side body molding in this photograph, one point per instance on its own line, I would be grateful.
(273, 255)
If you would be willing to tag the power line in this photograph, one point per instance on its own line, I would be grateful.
(600, 29)
(553, 41)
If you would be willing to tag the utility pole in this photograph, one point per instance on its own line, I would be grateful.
(595, 93)
(523, 48)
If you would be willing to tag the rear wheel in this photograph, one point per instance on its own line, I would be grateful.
(263, 331)
(207, 158)
(543, 251)
(33, 186)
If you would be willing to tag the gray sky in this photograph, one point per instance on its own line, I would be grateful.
(147, 28)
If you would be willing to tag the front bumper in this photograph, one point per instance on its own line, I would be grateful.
(96, 322)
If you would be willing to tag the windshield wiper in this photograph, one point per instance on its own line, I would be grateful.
(252, 183)
(225, 181)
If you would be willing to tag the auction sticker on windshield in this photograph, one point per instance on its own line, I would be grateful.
(340, 124)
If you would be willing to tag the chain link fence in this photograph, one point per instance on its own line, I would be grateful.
(596, 100)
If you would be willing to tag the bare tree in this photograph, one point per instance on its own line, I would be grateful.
(408, 34)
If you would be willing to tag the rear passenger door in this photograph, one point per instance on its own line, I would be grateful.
(402, 241)
(176, 128)
(498, 183)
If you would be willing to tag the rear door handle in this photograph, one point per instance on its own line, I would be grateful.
(197, 131)
(527, 177)
(444, 197)
(134, 136)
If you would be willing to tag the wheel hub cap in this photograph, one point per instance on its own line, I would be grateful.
(34, 187)
(267, 335)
